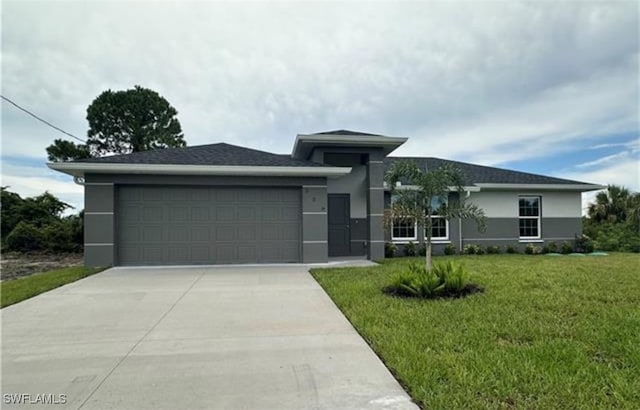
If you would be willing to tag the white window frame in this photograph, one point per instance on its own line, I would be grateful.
(438, 238)
(537, 218)
(405, 239)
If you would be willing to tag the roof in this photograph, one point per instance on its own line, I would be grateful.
(210, 154)
(347, 132)
(479, 174)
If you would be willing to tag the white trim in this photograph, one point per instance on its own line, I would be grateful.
(438, 238)
(376, 187)
(405, 238)
(96, 183)
(530, 240)
(554, 187)
(376, 241)
(314, 213)
(375, 215)
(538, 218)
(314, 241)
(314, 186)
(438, 242)
(79, 169)
(99, 244)
(451, 188)
(97, 213)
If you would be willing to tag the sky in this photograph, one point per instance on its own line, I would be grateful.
(542, 87)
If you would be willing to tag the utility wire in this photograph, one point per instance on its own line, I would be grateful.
(41, 119)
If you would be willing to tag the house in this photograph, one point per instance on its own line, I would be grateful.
(223, 204)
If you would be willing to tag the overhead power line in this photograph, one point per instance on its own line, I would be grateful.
(41, 119)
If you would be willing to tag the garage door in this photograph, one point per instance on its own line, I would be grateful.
(207, 225)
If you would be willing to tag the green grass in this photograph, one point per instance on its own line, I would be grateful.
(17, 290)
(548, 333)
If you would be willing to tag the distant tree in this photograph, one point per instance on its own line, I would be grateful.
(610, 205)
(63, 150)
(613, 220)
(121, 122)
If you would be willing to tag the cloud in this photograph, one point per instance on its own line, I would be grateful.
(491, 82)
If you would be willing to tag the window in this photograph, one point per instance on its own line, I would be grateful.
(529, 213)
(404, 230)
(439, 225)
(439, 228)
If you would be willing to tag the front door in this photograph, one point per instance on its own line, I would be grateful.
(339, 230)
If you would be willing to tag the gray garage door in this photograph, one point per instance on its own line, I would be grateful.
(207, 225)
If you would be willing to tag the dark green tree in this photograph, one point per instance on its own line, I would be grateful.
(134, 120)
(121, 122)
(63, 150)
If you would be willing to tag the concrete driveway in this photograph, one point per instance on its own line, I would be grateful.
(263, 337)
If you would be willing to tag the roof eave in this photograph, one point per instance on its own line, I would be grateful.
(388, 143)
(546, 187)
(79, 169)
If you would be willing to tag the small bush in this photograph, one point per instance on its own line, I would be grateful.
(444, 280)
(25, 237)
(584, 244)
(512, 249)
(566, 248)
(470, 249)
(410, 249)
(552, 247)
(390, 249)
(450, 249)
(532, 249)
(493, 250)
(422, 249)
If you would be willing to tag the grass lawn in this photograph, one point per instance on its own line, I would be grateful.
(548, 333)
(17, 290)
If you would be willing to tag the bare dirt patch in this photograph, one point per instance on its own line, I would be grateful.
(17, 265)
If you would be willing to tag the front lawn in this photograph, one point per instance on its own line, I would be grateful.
(17, 290)
(547, 333)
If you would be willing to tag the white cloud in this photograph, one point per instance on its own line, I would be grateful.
(490, 82)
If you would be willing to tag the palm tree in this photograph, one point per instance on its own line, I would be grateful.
(424, 199)
(611, 205)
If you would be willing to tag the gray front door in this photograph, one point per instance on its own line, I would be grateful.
(339, 230)
(172, 225)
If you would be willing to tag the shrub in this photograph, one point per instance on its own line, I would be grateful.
(450, 249)
(566, 248)
(493, 249)
(410, 249)
(390, 249)
(25, 237)
(512, 249)
(479, 250)
(422, 249)
(470, 249)
(448, 279)
(531, 249)
(584, 244)
(552, 247)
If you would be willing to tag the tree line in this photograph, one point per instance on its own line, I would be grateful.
(613, 220)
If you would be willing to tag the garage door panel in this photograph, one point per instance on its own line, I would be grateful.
(207, 225)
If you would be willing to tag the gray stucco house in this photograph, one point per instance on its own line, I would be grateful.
(220, 203)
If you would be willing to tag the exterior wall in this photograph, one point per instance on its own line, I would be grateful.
(375, 205)
(99, 224)
(561, 220)
(100, 212)
(354, 184)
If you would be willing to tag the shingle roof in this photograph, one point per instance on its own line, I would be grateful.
(211, 154)
(475, 174)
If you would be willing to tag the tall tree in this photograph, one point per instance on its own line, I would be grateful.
(428, 198)
(121, 122)
(610, 205)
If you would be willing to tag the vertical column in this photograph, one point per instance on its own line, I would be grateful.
(375, 205)
(315, 246)
(99, 229)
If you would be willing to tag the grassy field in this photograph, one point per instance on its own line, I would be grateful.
(548, 333)
(14, 291)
